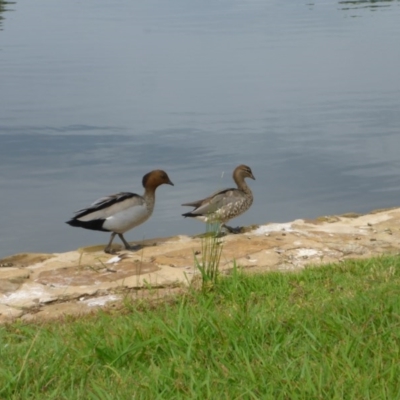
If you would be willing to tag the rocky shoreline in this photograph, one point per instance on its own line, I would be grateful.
(49, 286)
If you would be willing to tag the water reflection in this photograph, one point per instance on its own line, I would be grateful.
(372, 5)
(3, 8)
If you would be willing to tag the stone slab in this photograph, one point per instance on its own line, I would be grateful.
(45, 286)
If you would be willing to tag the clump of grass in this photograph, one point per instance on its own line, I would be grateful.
(210, 256)
(330, 332)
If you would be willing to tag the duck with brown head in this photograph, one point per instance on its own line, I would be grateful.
(118, 213)
(226, 204)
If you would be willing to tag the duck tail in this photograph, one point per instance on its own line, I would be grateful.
(94, 225)
(189, 214)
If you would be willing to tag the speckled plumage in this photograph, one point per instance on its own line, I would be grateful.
(226, 204)
(118, 213)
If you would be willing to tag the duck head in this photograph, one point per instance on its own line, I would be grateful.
(242, 171)
(156, 178)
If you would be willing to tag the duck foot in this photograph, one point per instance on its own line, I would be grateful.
(127, 245)
(134, 248)
(109, 250)
(235, 231)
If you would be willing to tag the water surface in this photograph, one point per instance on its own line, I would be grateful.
(93, 95)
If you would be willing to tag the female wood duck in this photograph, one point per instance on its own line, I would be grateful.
(225, 204)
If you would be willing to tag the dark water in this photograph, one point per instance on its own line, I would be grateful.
(95, 94)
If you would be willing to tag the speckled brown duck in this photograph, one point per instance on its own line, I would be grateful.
(225, 204)
(118, 213)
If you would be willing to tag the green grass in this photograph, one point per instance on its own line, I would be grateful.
(208, 261)
(324, 333)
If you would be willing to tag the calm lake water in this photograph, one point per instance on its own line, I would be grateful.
(93, 95)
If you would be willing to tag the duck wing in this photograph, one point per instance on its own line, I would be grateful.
(214, 202)
(110, 205)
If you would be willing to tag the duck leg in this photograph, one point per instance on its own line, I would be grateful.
(108, 247)
(127, 245)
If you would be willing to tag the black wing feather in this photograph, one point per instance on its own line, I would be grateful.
(104, 202)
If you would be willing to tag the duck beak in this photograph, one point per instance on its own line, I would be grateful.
(170, 183)
(252, 177)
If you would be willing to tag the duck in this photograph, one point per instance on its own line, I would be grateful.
(120, 212)
(226, 204)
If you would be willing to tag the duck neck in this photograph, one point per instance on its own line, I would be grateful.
(242, 185)
(150, 197)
